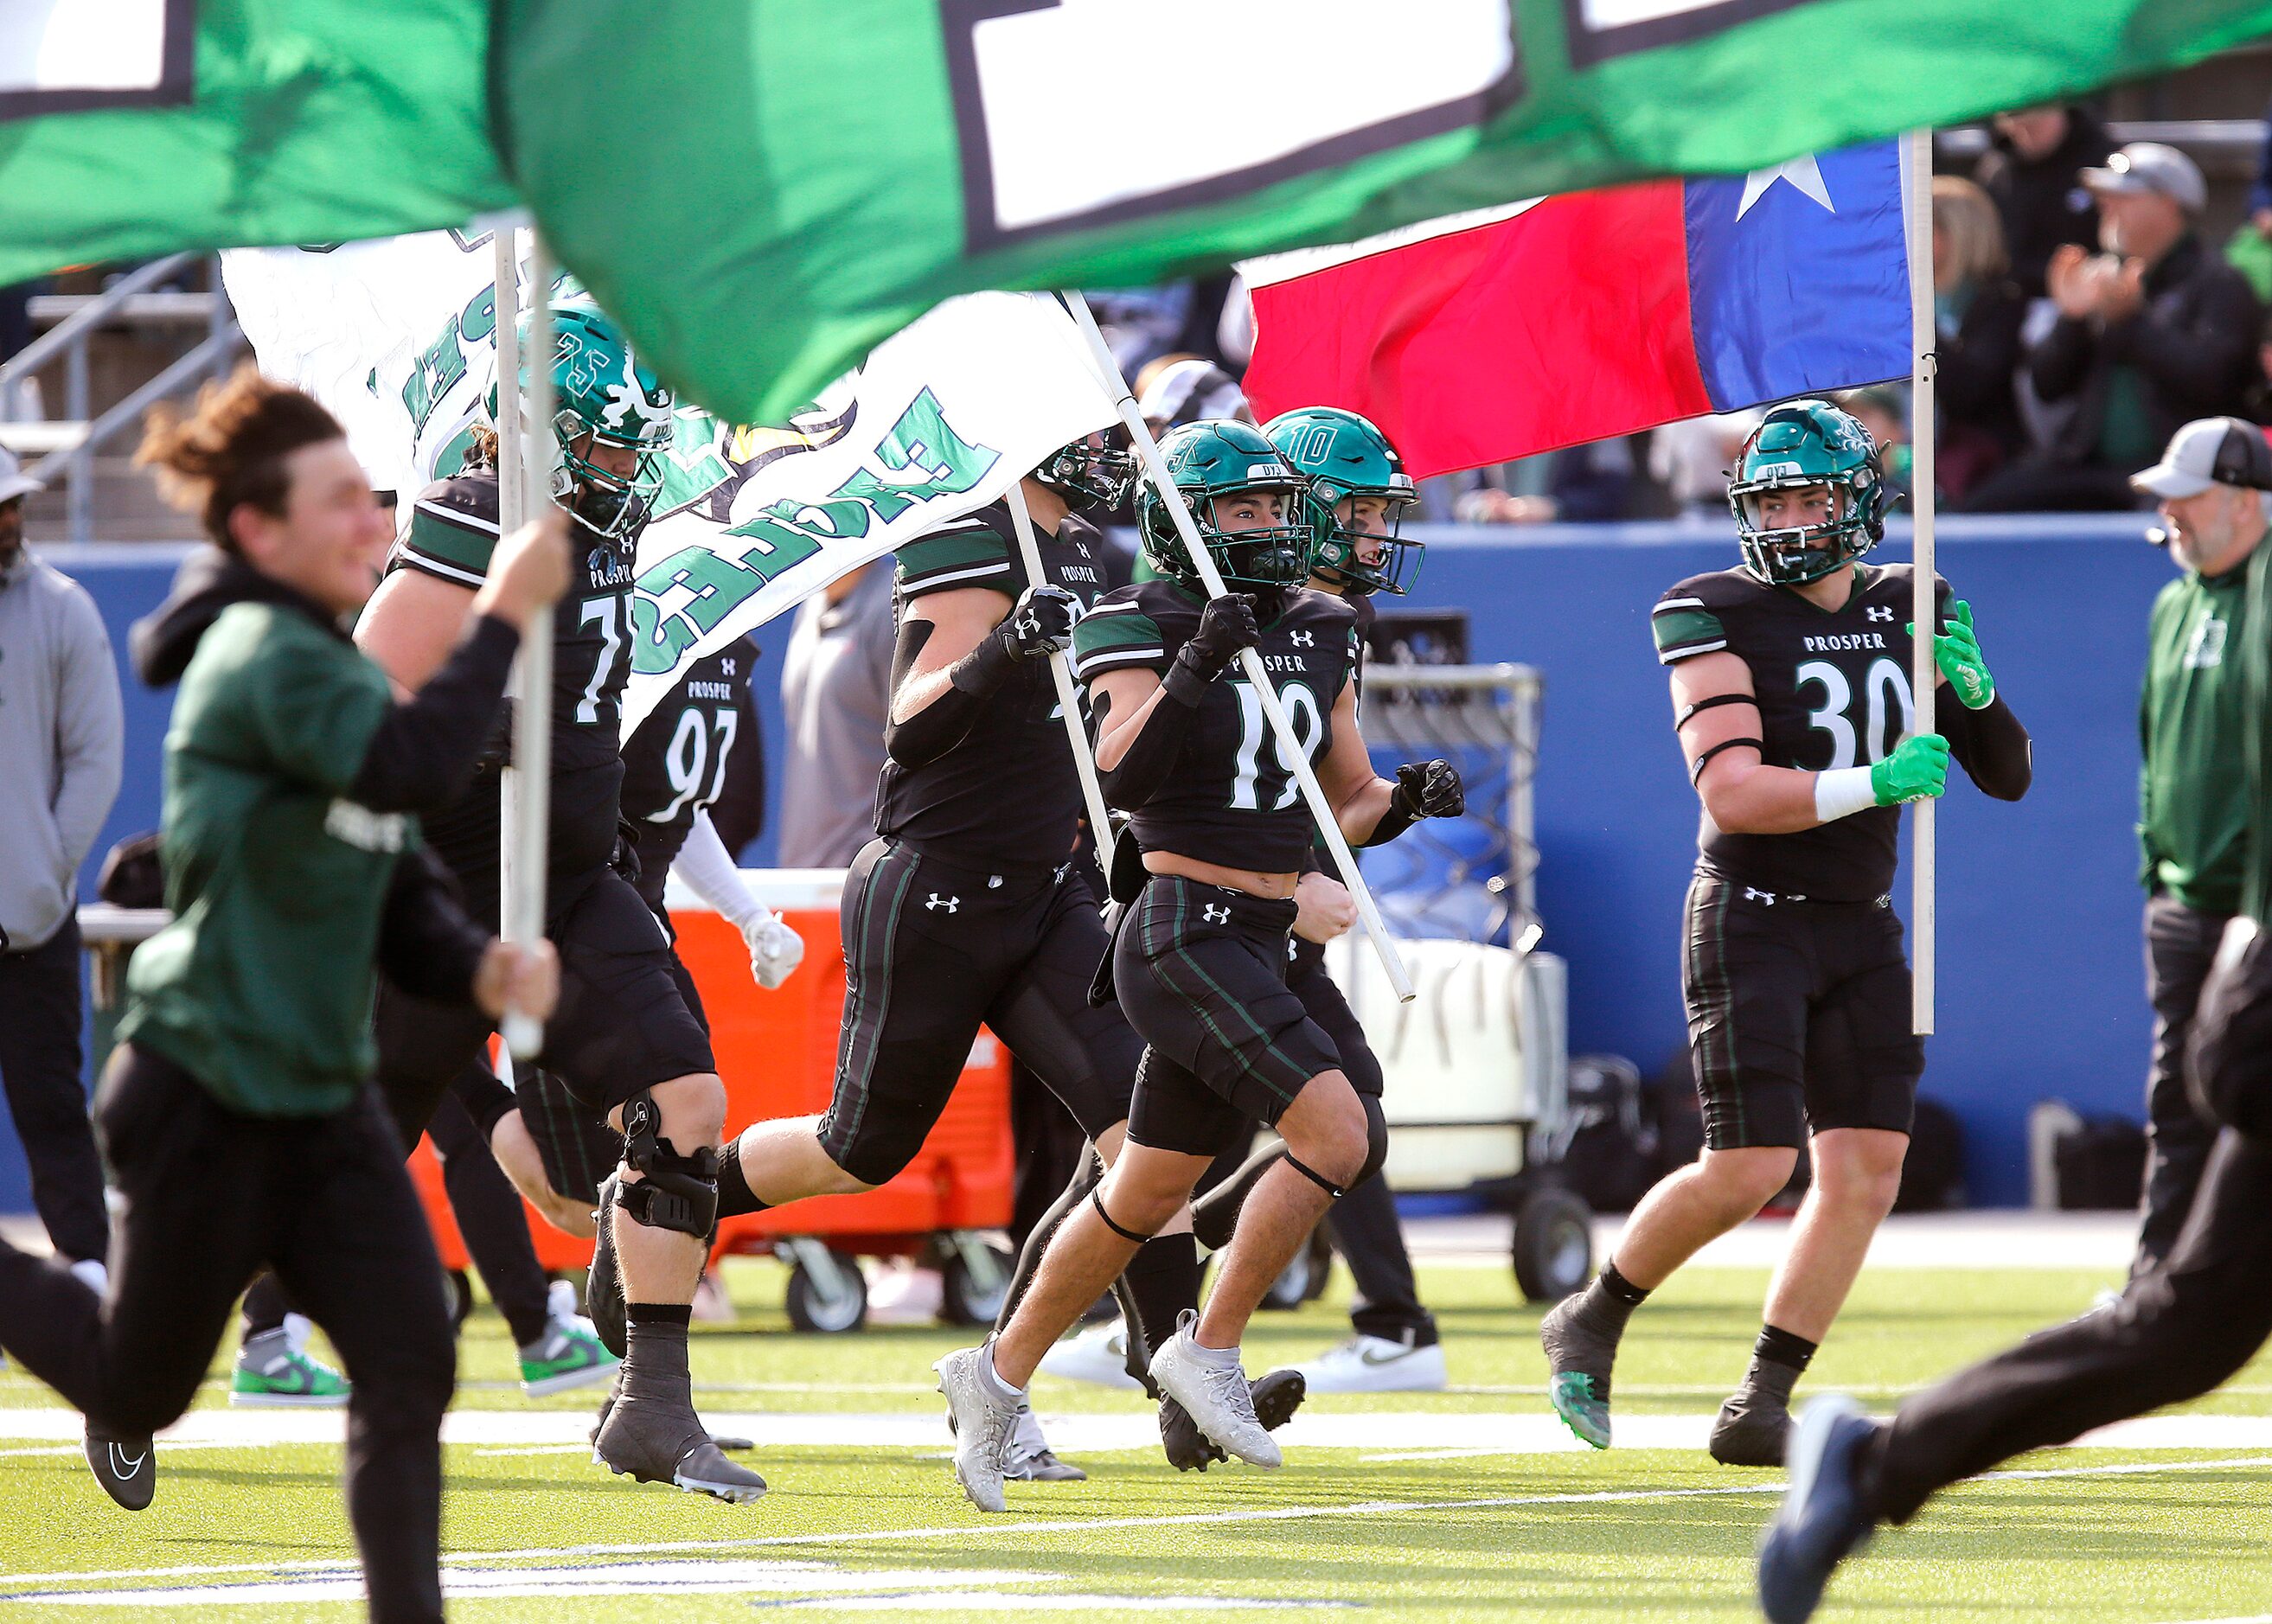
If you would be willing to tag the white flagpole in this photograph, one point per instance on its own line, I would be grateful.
(524, 832)
(1924, 674)
(1084, 765)
(504, 284)
(1289, 747)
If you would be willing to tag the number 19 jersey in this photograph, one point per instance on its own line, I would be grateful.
(1231, 799)
(1834, 691)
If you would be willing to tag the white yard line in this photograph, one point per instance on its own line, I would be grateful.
(1413, 1434)
(1021, 1528)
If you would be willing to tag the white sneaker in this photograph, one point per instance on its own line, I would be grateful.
(1216, 1395)
(1031, 1460)
(1099, 1354)
(1376, 1365)
(984, 1421)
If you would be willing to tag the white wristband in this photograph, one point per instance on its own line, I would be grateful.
(1841, 792)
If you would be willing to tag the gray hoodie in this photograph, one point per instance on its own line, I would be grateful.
(60, 731)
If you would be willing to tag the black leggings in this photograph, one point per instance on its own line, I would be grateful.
(2177, 1331)
(209, 1196)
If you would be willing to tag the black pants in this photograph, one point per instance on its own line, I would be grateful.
(2180, 942)
(209, 1196)
(2177, 1332)
(39, 1064)
(491, 1221)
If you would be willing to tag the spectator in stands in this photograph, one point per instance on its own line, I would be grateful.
(2259, 193)
(1690, 459)
(836, 683)
(1978, 310)
(2033, 171)
(1186, 387)
(1884, 410)
(2154, 332)
(61, 737)
(1580, 484)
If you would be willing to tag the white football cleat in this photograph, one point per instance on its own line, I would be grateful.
(1376, 1365)
(1099, 1354)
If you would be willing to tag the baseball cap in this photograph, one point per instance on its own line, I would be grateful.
(14, 481)
(2210, 450)
(2148, 165)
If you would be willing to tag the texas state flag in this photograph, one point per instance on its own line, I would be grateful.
(1486, 337)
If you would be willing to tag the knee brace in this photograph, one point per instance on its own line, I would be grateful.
(1096, 1200)
(674, 1191)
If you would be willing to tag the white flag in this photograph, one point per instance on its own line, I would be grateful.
(398, 338)
(945, 416)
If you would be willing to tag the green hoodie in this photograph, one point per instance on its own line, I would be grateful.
(2194, 806)
(261, 987)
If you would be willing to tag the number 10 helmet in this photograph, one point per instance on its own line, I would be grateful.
(1213, 463)
(1808, 443)
(600, 396)
(1343, 456)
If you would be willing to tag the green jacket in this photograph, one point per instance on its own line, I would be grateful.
(2195, 804)
(261, 987)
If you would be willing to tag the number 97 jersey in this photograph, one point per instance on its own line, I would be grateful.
(1834, 691)
(1232, 798)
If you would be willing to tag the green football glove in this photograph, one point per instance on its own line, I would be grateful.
(1957, 653)
(1916, 770)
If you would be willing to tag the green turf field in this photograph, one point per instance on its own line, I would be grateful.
(1414, 1523)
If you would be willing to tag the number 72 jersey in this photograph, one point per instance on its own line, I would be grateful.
(1834, 691)
(453, 529)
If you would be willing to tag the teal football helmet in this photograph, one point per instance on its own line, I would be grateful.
(1093, 472)
(601, 396)
(1343, 456)
(1808, 443)
(1213, 463)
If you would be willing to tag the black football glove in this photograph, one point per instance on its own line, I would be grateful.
(1226, 626)
(1041, 624)
(1431, 790)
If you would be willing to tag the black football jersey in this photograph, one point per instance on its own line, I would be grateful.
(1006, 793)
(675, 762)
(1232, 799)
(453, 529)
(1834, 691)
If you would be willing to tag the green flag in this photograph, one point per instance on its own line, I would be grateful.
(132, 130)
(763, 190)
(836, 170)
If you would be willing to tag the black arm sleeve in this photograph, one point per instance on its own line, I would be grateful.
(2058, 364)
(739, 812)
(1993, 747)
(931, 732)
(427, 946)
(423, 755)
(1152, 755)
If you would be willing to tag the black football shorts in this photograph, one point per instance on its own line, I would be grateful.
(1799, 1015)
(1201, 972)
(932, 949)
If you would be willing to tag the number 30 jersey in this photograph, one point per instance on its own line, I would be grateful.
(1232, 798)
(453, 529)
(1834, 691)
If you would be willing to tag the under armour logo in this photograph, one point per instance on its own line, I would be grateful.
(1305, 639)
(1878, 615)
(949, 902)
(1214, 915)
(1751, 895)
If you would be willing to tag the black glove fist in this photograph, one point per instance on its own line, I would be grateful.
(1432, 790)
(1226, 626)
(1041, 624)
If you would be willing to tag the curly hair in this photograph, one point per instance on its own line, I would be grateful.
(230, 450)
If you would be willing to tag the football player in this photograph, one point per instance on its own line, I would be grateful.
(968, 907)
(1358, 494)
(1791, 695)
(624, 1041)
(1198, 960)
